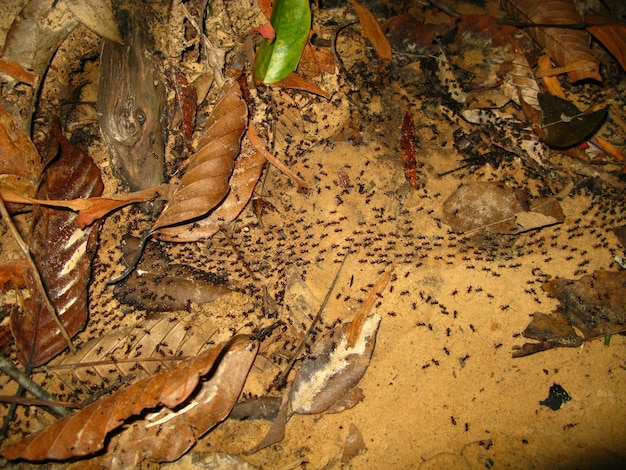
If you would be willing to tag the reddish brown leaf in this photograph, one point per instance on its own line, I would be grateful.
(84, 432)
(315, 61)
(408, 149)
(166, 436)
(205, 181)
(296, 82)
(248, 168)
(62, 252)
(373, 31)
(564, 45)
(186, 101)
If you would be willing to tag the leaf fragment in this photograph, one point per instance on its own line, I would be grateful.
(373, 31)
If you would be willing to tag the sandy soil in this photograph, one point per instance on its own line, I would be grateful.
(442, 389)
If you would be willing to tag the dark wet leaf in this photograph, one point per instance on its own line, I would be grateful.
(62, 252)
(564, 124)
(556, 397)
(84, 432)
(592, 306)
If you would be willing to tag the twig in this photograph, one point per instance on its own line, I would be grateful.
(36, 276)
(27, 383)
(258, 144)
(281, 380)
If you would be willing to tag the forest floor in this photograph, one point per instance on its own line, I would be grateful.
(442, 389)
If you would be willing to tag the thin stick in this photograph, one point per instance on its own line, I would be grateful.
(258, 144)
(281, 380)
(27, 383)
(36, 276)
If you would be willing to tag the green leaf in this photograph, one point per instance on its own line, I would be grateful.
(275, 60)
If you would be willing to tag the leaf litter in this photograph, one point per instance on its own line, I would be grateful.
(364, 199)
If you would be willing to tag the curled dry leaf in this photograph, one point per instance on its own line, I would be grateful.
(205, 180)
(373, 31)
(565, 46)
(248, 168)
(62, 252)
(167, 435)
(84, 432)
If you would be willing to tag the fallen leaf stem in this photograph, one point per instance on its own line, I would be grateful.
(261, 148)
(281, 380)
(45, 399)
(36, 276)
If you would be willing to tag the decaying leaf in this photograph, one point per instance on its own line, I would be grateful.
(62, 252)
(568, 47)
(592, 306)
(20, 164)
(372, 30)
(611, 34)
(327, 379)
(84, 432)
(519, 82)
(407, 144)
(354, 444)
(205, 180)
(564, 124)
(488, 206)
(512, 135)
(158, 285)
(13, 274)
(447, 76)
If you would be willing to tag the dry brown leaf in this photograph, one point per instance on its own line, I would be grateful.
(564, 45)
(372, 30)
(488, 206)
(248, 168)
(612, 35)
(62, 252)
(167, 435)
(20, 163)
(205, 180)
(84, 432)
(296, 82)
